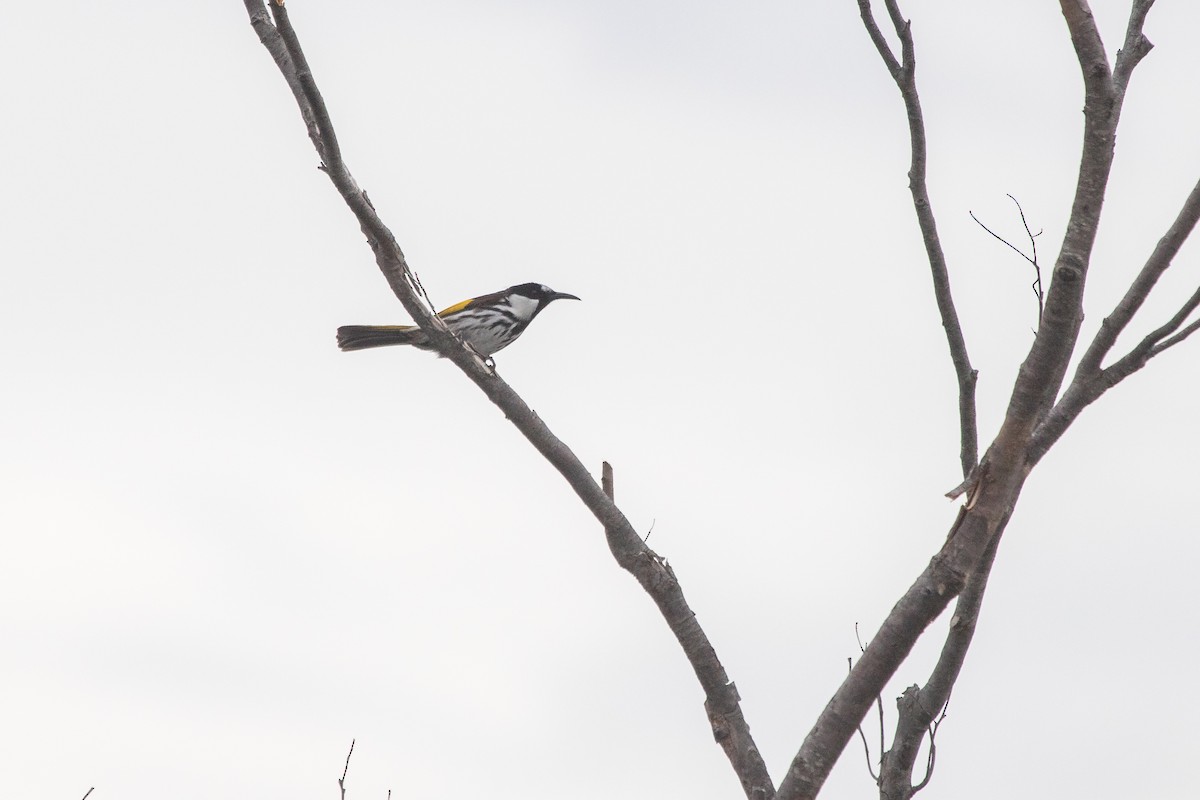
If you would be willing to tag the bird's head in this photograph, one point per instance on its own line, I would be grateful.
(543, 294)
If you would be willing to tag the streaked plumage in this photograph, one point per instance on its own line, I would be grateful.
(488, 323)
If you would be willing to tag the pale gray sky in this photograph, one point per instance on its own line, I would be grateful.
(229, 548)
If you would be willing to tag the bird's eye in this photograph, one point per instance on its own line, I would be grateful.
(546, 289)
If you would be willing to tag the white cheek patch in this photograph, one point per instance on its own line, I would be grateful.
(522, 306)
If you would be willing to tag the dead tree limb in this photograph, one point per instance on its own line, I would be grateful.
(1005, 467)
(919, 707)
(1091, 379)
(903, 72)
(651, 571)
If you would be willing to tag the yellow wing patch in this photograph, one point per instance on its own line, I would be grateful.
(456, 307)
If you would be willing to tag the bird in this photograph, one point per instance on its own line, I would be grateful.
(488, 323)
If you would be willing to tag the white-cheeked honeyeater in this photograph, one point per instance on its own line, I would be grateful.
(488, 323)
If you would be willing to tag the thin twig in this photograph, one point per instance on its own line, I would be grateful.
(879, 703)
(88, 792)
(882, 732)
(862, 734)
(932, 757)
(1001, 239)
(867, 754)
(1037, 268)
(345, 769)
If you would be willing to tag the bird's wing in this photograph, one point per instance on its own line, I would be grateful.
(482, 299)
(456, 307)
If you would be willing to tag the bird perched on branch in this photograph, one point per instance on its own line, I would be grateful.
(488, 323)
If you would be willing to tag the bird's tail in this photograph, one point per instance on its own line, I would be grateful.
(361, 337)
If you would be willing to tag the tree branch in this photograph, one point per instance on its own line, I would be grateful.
(1091, 380)
(650, 570)
(345, 770)
(903, 72)
(1135, 47)
(979, 522)
(862, 734)
(1164, 253)
(1044, 369)
(931, 760)
(1037, 268)
(919, 707)
(1002, 473)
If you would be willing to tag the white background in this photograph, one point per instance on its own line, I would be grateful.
(228, 548)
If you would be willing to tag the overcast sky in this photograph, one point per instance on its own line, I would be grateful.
(228, 548)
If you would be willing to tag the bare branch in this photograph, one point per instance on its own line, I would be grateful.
(918, 708)
(88, 792)
(1085, 37)
(879, 704)
(867, 752)
(1091, 380)
(1038, 382)
(1005, 468)
(1136, 45)
(345, 769)
(1044, 368)
(722, 702)
(1042, 374)
(882, 733)
(924, 601)
(1159, 261)
(904, 74)
(931, 760)
(1001, 239)
(1037, 269)
(877, 38)
(1176, 339)
(270, 38)
(861, 733)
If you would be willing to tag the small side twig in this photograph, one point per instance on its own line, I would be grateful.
(862, 735)
(932, 758)
(879, 704)
(89, 791)
(1037, 268)
(345, 769)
